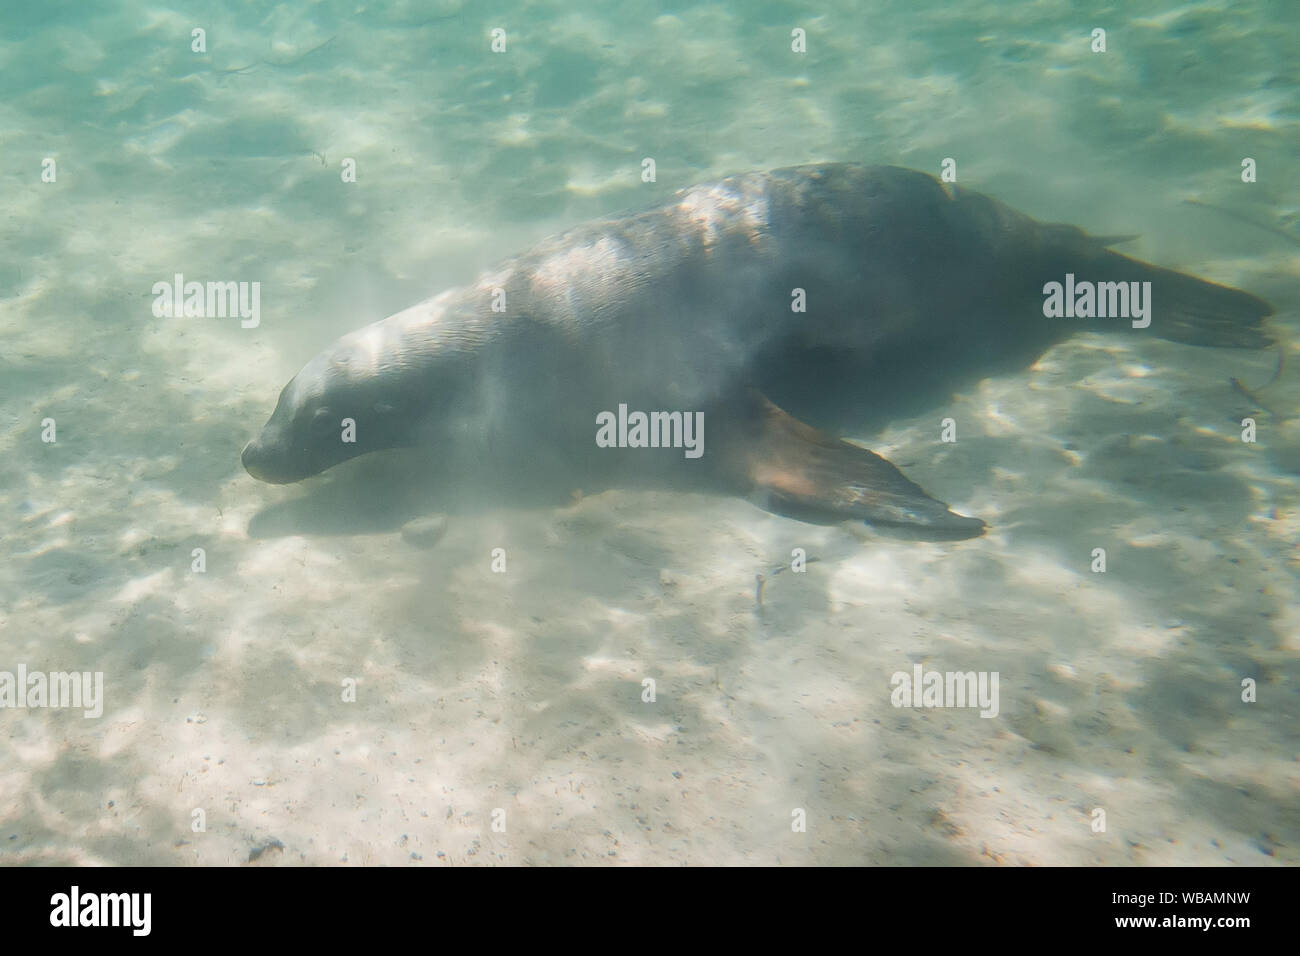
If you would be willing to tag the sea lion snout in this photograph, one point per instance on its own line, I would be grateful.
(256, 462)
(281, 455)
(329, 413)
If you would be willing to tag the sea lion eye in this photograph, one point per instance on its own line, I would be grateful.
(320, 421)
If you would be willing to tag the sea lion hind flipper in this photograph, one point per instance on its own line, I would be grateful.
(1106, 242)
(792, 469)
(1195, 311)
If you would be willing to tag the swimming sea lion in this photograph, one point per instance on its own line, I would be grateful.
(693, 307)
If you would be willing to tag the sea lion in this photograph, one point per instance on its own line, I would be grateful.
(694, 307)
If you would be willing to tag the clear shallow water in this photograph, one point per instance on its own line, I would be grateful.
(522, 691)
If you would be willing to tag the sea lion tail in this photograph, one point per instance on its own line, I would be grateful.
(1191, 310)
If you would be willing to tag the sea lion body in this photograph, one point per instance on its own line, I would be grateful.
(692, 306)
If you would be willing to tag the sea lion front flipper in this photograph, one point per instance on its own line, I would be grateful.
(790, 468)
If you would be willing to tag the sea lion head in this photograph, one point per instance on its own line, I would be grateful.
(339, 406)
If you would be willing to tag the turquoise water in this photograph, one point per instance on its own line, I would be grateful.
(522, 692)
